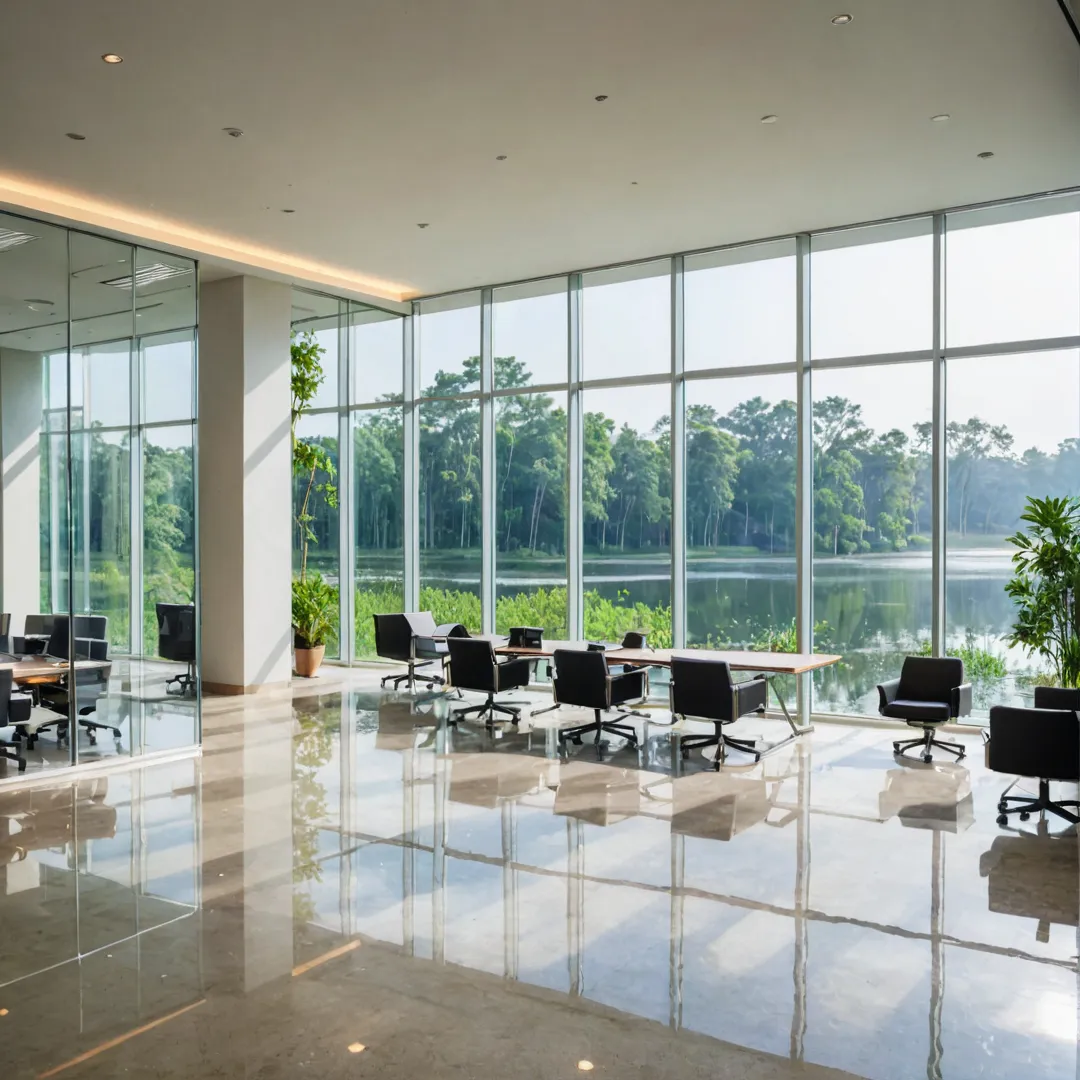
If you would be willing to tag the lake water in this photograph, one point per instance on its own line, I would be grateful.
(875, 608)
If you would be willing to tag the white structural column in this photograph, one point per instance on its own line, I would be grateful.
(245, 485)
(20, 485)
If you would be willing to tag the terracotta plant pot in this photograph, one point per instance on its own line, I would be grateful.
(306, 661)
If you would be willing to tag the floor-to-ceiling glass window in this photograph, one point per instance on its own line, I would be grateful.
(871, 298)
(529, 346)
(376, 350)
(1012, 275)
(451, 527)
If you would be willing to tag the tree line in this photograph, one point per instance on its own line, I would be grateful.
(872, 489)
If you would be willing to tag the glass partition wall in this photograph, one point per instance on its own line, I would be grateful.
(820, 442)
(97, 421)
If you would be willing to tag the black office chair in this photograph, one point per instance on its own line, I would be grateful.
(1043, 743)
(14, 711)
(91, 684)
(410, 637)
(5, 633)
(704, 690)
(581, 678)
(930, 692)
(176, 641)
(36, 632)
(473, 666)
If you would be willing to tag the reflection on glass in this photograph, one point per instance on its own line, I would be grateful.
(102, 289)
(529, 333)
(450, 530)
(872, 290)
(376, 344)
(378, 491)
(1004, 446)
(740, 511)
(319, 429)
(1012, 273)
(165, 291)
(872, 558)
(449, 345)
(740, 306)
(530, 512)
(626, 505)
(167, 378)
(626, 321)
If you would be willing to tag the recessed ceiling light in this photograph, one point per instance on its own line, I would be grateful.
(770, 118)
(234, 132)
(284, 211)
(940, 118)
(633, 183)
(422, 224)
(841, 20)
(986, 154)
(112, 58)
(601, 97)
(3, 1012)
(76, 136)
(585, 1066)
(357, 1048)
(500, 157)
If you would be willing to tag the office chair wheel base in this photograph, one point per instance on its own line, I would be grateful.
(927, 758)
(1024, 815)
(1002, 819)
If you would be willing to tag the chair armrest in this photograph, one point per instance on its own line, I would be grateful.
(887, 692)
(750, 694)
(961, 700)
(625, 687)
(513, 672)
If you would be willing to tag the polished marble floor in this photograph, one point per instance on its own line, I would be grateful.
(343, 886)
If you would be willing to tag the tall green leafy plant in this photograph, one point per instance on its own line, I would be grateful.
(313, 601)
(1046, 585)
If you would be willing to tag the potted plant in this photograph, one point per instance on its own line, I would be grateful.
(1046, 586)
(313, 600)
(313, 606)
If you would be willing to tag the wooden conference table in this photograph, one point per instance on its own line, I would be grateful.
(770, 664)
(35, 669)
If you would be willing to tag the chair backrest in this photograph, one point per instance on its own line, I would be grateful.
(393, 636)
(86, 646)
(5, 624)
(1057, 697)
(58, 638)
(38, 624)
(634, 639)
(6, 681)
(1043, 743)
(422, 623)
(930, 678)
(526, 637)
(92, 626)
(581, 677)
(701, 687)
(176, 631)
(472, 663)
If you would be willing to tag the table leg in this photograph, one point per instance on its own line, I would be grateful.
(796, 731)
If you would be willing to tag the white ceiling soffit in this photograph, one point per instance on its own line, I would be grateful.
(368, 118)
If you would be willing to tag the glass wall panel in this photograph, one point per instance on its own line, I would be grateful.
(168, 377)
(872, 554)
(102, 289)
(1012, 272)
(740, 512)
(320, 316)
(530, 333)
(309, 502)
(626, 507)
(872, 290)
(448, 343)
(378, 493)
(166, 290)
(450, 526)
(376, 348)
(1005, 445)
(626, 321)
(530, 512)
(740, 306)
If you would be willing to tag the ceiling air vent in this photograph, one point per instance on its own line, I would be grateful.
(149, 274)
(10, 239)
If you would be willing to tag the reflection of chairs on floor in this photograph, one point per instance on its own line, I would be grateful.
(1034, 876)
(46, 817)
(719, 807)
(490, 779)
(597, 794)
(399, 723)
(936, 796)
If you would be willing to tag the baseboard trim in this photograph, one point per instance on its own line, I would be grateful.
(217, 689)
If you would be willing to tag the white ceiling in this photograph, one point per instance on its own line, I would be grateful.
(369, 116)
